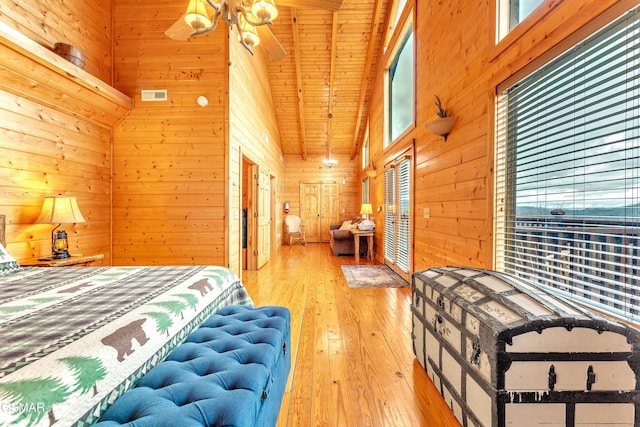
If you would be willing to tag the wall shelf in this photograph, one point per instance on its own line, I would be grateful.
(34, 72)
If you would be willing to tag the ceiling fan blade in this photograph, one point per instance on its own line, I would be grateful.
(180, 30)
(331, 5)
(269, 44)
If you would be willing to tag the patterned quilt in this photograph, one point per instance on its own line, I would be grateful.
(74, 339)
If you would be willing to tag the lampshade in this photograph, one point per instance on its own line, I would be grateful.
(249, 33)
(264, 10)
(366, 209)
(60, 210)
(196, 15)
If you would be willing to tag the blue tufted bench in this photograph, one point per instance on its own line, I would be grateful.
(231, 371)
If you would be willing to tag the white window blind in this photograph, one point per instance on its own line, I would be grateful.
(568, 172)
(389, 214)
(404, 215)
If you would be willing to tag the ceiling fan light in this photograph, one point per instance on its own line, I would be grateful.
(329, 162)
(264, 10)
(196, 15)
(249, 34)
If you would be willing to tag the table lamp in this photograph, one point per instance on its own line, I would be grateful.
(366, 209)
(59, 210)
(366, 224)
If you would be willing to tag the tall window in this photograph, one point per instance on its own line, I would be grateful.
(400, 88)
(365, 149)
(512, 12)
(398, 8)
(365, 190)
(568, 172)
(396, 14)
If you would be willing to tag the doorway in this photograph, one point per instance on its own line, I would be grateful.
(320, 208)
(257, 213)
(398, 203)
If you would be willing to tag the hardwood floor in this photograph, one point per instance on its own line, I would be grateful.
(352, 359)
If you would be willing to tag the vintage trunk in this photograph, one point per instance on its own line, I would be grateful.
(504, 353)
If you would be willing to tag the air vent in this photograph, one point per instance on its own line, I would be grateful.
(154, 95)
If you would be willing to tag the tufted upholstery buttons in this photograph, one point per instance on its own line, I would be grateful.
(231, 371)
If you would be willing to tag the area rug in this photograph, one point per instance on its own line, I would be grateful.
(372, 276)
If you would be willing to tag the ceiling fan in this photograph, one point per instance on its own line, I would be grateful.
(249, 17)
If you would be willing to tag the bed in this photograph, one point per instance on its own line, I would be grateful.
(74, 339)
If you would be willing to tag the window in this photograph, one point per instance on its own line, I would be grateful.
(365, 190)
(365, 149)
(568, 172)
(400, 89)
(512, 12)
(396, 14)
(398, 8)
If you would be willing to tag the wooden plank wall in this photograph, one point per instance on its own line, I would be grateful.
(55, 122)
(83, 24)
(254, 135)
(458, 60)
(169, 156)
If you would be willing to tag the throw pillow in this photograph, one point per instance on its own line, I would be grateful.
(346, 225)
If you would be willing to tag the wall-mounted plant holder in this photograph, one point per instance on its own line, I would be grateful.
(441, 126)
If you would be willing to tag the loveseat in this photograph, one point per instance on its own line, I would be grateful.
(342, 242)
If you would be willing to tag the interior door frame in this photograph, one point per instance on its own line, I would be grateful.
(252, 217)
(409, 155)
(263, 217)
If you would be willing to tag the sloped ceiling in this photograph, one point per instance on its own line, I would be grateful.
(321, 87)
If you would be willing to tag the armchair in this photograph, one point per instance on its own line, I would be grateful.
(294, 229)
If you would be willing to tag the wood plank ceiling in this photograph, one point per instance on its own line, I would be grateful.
(321, 87)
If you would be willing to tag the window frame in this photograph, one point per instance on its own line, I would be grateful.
(505, 191)
(506, 21)
(365, 190)
(399, 42)
(364, 153)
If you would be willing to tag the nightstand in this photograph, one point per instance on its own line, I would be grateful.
(74, 260)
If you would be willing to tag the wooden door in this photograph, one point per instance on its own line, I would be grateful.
(310, 210)
(264, 217)
(320, 208)
(329, 209)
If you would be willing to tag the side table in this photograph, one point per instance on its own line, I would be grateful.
(369, 234)
(73, 260)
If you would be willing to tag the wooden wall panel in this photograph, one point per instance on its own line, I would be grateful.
(459, 61)
(36, 163)
(253, 135)
(169, 156)
(85, 24)
(55, 138)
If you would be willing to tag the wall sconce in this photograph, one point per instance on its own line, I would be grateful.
(59, 210)
(371, 173)
(443, 124)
